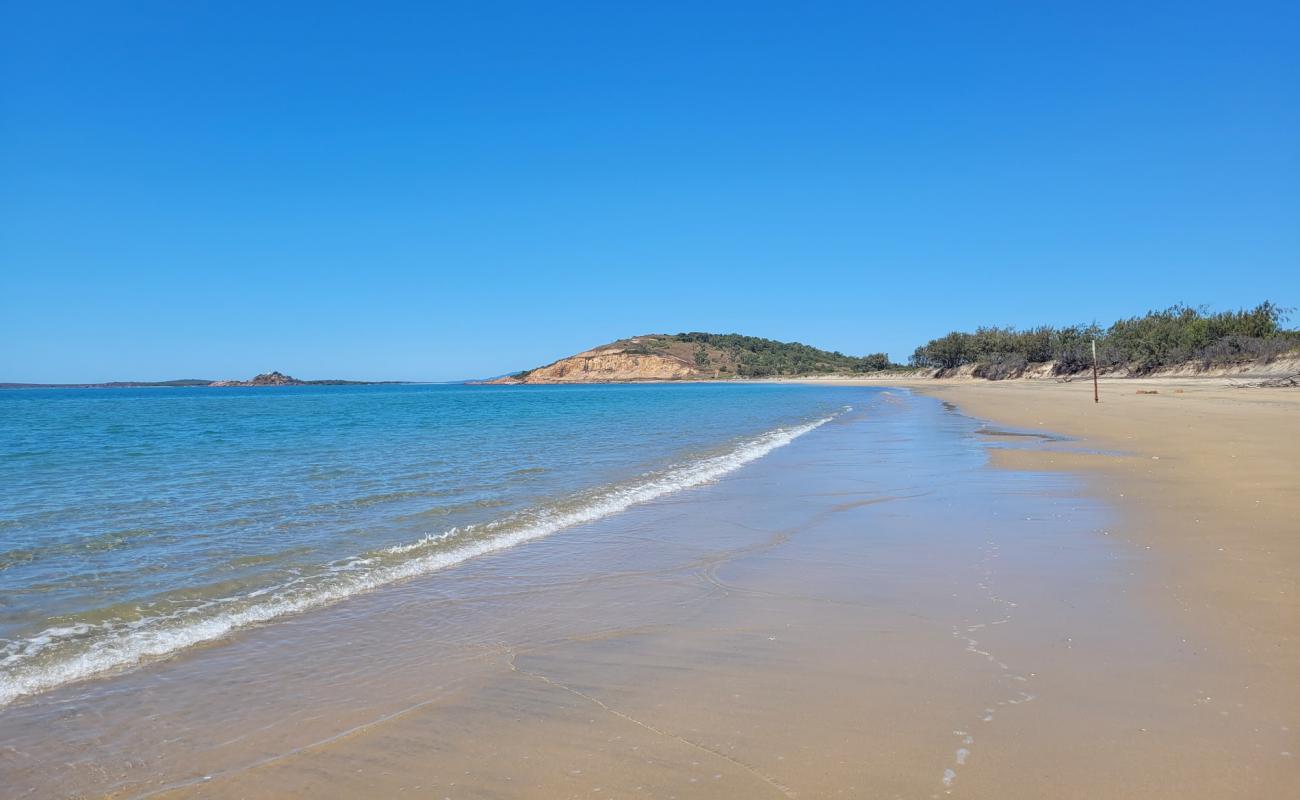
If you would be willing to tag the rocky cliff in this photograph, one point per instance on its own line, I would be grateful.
(695, 356)
(641, 358)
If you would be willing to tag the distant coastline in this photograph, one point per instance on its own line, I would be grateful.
(272, 378)
(1178, 341)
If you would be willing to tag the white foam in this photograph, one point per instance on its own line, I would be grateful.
(122, 644)
(426, 541)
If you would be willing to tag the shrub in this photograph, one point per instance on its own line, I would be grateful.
(996, 368)
(701, 356)
(875, 363)
(1246, 350)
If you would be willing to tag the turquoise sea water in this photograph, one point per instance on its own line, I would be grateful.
(136, 523)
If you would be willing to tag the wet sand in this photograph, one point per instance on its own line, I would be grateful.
(875, 610)
(1207, 480)
(1206, 477)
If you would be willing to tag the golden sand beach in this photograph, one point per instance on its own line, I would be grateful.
(851, 630)
(1208, 478)
(1206, 475)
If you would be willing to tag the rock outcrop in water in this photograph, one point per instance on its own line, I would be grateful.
(272, 378)
(275, 378)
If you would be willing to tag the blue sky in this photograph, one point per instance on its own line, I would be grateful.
(445, 190)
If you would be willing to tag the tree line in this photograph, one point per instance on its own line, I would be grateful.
(1176, 335)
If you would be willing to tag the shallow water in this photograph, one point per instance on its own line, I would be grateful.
(874, 511)
(136, 523)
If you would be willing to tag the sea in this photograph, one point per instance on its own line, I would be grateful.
(138, 523)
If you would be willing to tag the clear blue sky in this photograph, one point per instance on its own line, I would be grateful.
(434, 190)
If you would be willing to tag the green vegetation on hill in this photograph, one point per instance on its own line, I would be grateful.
(1177, 335)
(1174, 337)
(753, 357)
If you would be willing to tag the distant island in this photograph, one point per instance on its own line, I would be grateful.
(273, 378)
(280, 379)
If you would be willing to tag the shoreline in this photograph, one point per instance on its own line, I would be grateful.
(1060, 631)
(1207, 479)
(1198, 464)
(875, 609)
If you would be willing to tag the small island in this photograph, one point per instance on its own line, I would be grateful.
(276, 378)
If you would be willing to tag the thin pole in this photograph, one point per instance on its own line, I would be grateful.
(1096, 398)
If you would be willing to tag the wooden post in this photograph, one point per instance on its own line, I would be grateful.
(1096, 398)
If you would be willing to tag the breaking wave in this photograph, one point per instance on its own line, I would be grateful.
(77, 650)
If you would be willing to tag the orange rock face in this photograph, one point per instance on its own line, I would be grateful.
(622, 361)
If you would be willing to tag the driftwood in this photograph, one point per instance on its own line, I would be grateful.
(1284, 382)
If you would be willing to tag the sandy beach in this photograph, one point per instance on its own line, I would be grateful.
(936, 594)
(1207, 477)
